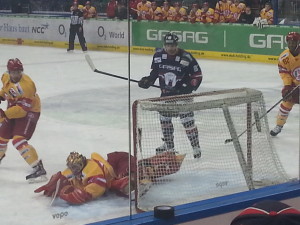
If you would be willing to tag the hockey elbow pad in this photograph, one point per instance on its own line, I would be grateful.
(74, 195)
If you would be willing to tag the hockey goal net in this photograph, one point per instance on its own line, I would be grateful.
(233, 133)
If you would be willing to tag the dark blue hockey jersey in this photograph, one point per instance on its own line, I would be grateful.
(178, 74)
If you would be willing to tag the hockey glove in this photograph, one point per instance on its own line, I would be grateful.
(74, 195)
(50, 187)
(185, 89)
(145, 82)
(182, 88)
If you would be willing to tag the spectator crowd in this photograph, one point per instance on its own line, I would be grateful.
(193, 11)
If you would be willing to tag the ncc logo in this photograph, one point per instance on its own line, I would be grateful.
(41, 29)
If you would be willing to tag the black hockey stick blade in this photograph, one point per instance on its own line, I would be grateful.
(91, 64)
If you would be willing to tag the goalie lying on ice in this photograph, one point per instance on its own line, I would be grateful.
(87, 179)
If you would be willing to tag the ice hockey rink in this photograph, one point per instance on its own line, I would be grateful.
(89, 112)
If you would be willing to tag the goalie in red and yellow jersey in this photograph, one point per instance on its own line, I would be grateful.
(289, 71)
(83, 180)
(88, 179)
(19, 120)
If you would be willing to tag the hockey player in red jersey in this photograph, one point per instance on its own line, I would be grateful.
(289, 71)
(83, 180)
(178, 73)
(19, 120)
(87, 179)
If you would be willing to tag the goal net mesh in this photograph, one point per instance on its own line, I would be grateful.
(237, 152)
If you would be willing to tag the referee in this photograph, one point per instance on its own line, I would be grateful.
(76, 27)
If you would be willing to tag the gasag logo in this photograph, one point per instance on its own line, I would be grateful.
(266, 41)
(184, 36)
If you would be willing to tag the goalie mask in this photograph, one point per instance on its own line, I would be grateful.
(76, 162)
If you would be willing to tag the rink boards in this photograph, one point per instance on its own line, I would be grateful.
(221, 210)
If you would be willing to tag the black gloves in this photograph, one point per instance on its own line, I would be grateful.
(145, 82)
(182, 88)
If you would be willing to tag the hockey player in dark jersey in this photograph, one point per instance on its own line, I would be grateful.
(178, 73)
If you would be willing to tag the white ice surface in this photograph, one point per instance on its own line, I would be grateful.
(86, 111)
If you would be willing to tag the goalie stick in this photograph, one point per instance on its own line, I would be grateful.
(263, 115)
(91, 64)
(56, 192)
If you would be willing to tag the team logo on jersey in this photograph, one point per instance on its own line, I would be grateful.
(164, 56)
(157, 60)
(177, 58)
(296, 73)
(284, 56)
(184, 62)
(170, 79)
(12, 92)
(19, 88)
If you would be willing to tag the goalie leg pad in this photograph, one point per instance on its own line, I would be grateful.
(121, 186)
(160, 165)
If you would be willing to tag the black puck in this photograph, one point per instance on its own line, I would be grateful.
(164, 212)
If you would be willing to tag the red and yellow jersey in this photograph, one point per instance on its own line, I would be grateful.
(208, 16)
(165, 10)
(195, 15)
(171, 14)
(143, 10)
(235, 11)
(21, 96)
(89, 12)
(181, 15)
(156, 14)
(95, 178)
(222, 12)
(268, 15)
(289, 68)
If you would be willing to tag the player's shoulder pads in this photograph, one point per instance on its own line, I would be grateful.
(284, 55)
(159, 49)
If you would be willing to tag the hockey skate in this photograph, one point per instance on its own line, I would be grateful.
(165, 148)
(276, 130)
(197, 152)
(39, 174)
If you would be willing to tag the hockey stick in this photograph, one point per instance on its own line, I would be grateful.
(258, 119)
(56, 192)
(91, 64)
